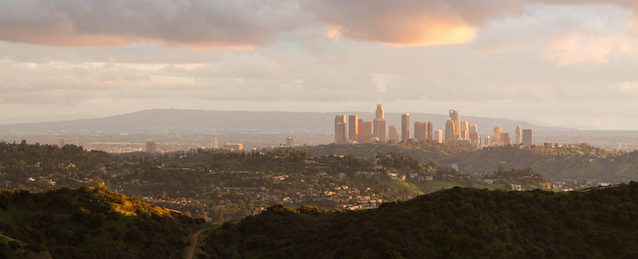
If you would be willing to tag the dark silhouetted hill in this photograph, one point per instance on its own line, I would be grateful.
(455, 223)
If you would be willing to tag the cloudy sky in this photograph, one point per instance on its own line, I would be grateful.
(557, 62)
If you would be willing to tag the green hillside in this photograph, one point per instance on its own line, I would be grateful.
(455, 223)
(88, 223)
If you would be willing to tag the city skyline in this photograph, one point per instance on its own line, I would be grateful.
(88, 59)
(360, 131)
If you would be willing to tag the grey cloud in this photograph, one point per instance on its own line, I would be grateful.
(196, 24)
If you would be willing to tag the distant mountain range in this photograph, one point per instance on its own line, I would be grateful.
(168, 121)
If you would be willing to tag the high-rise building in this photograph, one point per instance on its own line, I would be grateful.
(527, 137)
(290, 142)
(456, 118)
(379, 113)
(506, 139)
(215, 143)
(62, 143)
(405, 127)
(365, 131)
(353, 127)
(473, 128)
(438, 136)
(340, 129)
(379, 125)
(420, 131)
(496, 139)
(488, 141)
(465, 131)
(449, 131)
(393, 136)
(475, 139)
(151, 147)
(519, 135)
(428, 130)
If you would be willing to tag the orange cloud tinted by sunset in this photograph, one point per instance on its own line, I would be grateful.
(409, 23)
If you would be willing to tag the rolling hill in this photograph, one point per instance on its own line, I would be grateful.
(88, 223)
(455, 223)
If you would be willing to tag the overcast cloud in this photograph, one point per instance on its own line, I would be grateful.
(518, 59)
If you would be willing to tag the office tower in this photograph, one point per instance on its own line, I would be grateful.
(353, 127)
(506, 139)
(420, 132)
(456, 118)
(365, 131)
(405, 127)
(62, 143)
(340, 129)
(488, 141)
(473, 128)
(379, 113)
(151, 147)
(475, 139)
(496, 139)
(465, 131)
(449, 131)
(428, 130)
(393, 136)
(290, 142)
(215, 144)
(519, 136)
(438, 136)
(527, 137)
(379, 125)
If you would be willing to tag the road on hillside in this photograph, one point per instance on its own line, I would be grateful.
(194, 241)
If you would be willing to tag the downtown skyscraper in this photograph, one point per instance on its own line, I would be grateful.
(379, 124)
(353, 127)
(405, 127)
(340, 129)
(456, 119)
(519, 135)
(450, 131)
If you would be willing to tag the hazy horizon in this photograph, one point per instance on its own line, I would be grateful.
(62, 118)
(563, 63)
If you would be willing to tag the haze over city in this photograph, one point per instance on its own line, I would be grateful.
(564, 63)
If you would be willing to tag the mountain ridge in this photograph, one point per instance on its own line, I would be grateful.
(211, 121)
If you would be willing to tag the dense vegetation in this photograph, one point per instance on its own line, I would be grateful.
(455, 223)
(19, 161)
(553, 161)
(220, 186)
(89, 223)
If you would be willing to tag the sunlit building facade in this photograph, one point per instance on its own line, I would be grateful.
(340, 129)
(527, 137)
(405, 127)
(449, 131)
(393, 135)
(353, 127)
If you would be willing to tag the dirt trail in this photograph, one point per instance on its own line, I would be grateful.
(194, 241)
